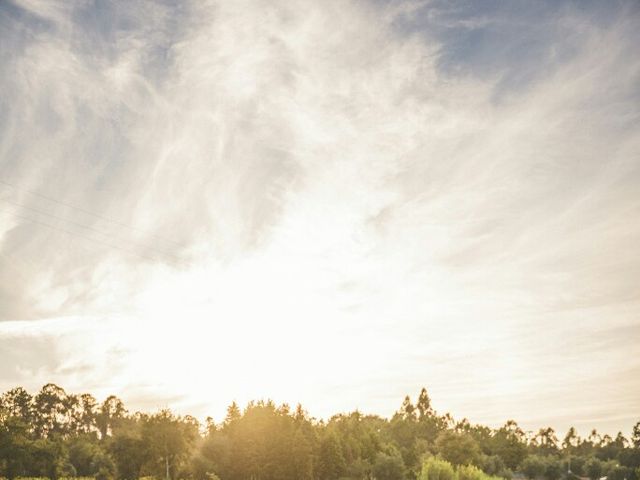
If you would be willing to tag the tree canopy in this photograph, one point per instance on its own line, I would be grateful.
(56, 434)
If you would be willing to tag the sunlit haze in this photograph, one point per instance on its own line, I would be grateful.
(334, 203)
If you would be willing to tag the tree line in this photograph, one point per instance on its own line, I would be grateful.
(55, 434)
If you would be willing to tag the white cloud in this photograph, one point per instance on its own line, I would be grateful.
(297, 199)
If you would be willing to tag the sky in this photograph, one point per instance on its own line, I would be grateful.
(334, 203)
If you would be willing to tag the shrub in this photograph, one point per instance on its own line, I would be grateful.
(470, 472)
(388, 467)
(533, 467)
(458, 448)
(619, 473)
(437, 469)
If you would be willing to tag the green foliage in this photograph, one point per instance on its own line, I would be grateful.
(168, 440)
(47, 478)
(547, 467)
(575, 464)
(55, 435)
(494, 465)
(103, 466)
(593, 468)
(635, 436)
(331, 462)
(437, 469)
(509, 443)
(264, 441)
(470, 472)
(458, 448)
(546, 441)
(424, 405)
(129, 453)
(553, 468)
(389, 466)
(619, 473)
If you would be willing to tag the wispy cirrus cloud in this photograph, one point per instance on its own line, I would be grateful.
(431, 194)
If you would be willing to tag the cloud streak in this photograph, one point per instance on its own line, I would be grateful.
(429, 194)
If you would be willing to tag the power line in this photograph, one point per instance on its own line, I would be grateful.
(91, 239)
(92, 229)
(87, 212)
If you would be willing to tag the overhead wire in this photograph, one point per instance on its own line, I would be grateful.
(87, 212)
(95, 230)
(91, 239)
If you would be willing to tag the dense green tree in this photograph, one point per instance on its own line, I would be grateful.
(437, 469)
(168, 440)
(262, 442)
(301, 458)
(458, 448)
(619, 472)
(593, 468)
(553, 468)
(574, 464)
(233, 413)
(110, 414)
(16, 448)
(407, 410)
(102, 466)
(610, 448)
(533, 467)
(494, 465)
(56, 434)
(546, 441)
(50, 405)
(469, 472)
(594, 438)
(129, 454)
(509, 443)
(389, 466)
(571, 441)
(82, 451)
(630, 458)
(88, 412)
(424, 405)
(18, 403)
(635, 436)
(213, 455)
(331, 462)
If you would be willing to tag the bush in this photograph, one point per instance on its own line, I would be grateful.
(533, 467)
(47, 478)
(469, 472)
(553, 469)
(437, 469)
(458, 448)
(103, 466)
(388, 467)
(492, 464)
(619, 473)
(593, 468)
